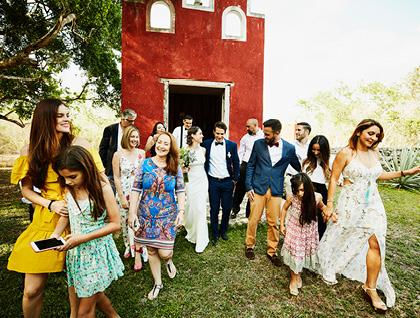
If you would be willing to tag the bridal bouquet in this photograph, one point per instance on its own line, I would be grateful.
(186, 158)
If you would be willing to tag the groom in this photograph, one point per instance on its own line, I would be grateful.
(222, 168)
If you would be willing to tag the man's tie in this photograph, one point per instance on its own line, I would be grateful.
(217, 143)
(274, 144)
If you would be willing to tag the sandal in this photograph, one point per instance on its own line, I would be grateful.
(378, 306)
(138, 267)
(127, 253)
(171, 269)
(293, 290)
(154, 292)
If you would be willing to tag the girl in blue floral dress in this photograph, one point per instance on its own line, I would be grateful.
(92, 260)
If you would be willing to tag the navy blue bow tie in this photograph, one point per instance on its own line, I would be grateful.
(217, 143)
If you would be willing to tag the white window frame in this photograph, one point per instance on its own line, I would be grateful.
(237, 10)
(171, 7)
(210, 8)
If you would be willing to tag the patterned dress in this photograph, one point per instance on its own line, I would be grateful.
(94, 265)
(301, 242)
(127, 174)
(158, 208)
(361, 214)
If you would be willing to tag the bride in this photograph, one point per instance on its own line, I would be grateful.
(197, 192)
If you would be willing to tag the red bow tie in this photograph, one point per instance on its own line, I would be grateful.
(275, 144)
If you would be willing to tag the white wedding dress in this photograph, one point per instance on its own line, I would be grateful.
(196, 205)
(361, 214)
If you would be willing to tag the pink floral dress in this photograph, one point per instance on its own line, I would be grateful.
(301, 242)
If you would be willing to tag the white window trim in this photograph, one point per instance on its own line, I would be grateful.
(171, 7)
(210, 8)
(243, 24)
(253, 14)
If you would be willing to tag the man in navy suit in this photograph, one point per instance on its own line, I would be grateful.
(222, 168)
(264, 183)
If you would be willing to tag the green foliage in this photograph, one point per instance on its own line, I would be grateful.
(407, 159)
(396, 107)
(91, 40)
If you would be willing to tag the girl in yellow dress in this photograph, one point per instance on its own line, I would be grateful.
(50, 134)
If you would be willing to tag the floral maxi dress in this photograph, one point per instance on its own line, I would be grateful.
(361, 214)
(94, 265)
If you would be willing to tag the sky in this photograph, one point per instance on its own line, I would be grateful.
(314, 45)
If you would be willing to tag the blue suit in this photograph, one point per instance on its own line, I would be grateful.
(261, 174)
(221, 190)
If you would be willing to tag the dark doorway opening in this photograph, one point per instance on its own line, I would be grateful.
(204, 104)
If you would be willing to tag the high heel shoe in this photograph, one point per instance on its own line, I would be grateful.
(138, 267)
(154, 292)
(378, 306)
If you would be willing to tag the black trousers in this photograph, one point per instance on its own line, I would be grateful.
(322, 189)
(240, 191)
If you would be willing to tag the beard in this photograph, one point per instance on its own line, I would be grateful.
(270, 141)
(251, 133)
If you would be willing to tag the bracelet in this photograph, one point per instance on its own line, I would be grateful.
(49, 205)
(402, 173)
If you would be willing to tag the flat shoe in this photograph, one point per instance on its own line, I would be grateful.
(171, 269)
(154, 292)
(293, 290)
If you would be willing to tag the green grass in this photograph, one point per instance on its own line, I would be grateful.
(221, 282)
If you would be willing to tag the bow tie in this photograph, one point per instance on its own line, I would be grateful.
(217, 143)
(275, 144)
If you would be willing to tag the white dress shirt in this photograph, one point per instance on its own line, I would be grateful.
(246, 144)
(177, 135)
(317, 175)
(275, 153)
(217, 161)
(301, 153)
(120, 134)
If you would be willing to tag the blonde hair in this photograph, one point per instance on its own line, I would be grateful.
(125, 140)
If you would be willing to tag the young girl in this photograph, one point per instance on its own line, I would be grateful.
(125, 164)
(317, 166)
(301, 237)
(92, 259)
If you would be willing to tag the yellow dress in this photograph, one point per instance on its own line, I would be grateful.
(23, 259)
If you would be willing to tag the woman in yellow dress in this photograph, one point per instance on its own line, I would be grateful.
(50, 134)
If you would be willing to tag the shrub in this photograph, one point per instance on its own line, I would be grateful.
(407, 159)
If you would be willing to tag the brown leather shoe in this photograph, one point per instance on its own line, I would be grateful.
(249, 253)
(274, 259)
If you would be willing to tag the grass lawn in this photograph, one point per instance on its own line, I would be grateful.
(221, 282)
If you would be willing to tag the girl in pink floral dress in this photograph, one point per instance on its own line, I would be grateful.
(301, 239)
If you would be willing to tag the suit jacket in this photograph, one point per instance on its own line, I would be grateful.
(232, 159)
(108, 146)
(261, 174)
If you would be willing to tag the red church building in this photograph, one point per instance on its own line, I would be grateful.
(202, 58)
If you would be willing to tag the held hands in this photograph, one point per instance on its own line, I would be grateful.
(328, 213)
(132, 220)
(125, 204)
(59, 207)
(282, 229)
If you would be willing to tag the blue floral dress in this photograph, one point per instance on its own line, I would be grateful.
(94, 265)
(158, 207)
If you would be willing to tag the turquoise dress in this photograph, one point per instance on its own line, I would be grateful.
(94, 265)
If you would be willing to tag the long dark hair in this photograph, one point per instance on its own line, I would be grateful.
(192, 131)
(363, 125)
(154, 130)
(324, 150)
(308, 205)
(44, 142)
(77, 158)
(172, 158)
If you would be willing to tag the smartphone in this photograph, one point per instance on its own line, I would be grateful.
(48, 244)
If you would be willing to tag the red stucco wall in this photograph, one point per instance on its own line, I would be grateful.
(196, 51)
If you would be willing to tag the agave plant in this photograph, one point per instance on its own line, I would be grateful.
(407, 159)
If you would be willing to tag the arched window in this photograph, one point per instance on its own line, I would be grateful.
(160, 16)
(204, 5)
(234, 24)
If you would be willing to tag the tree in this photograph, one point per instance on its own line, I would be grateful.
(41, 38)
(396, 107)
